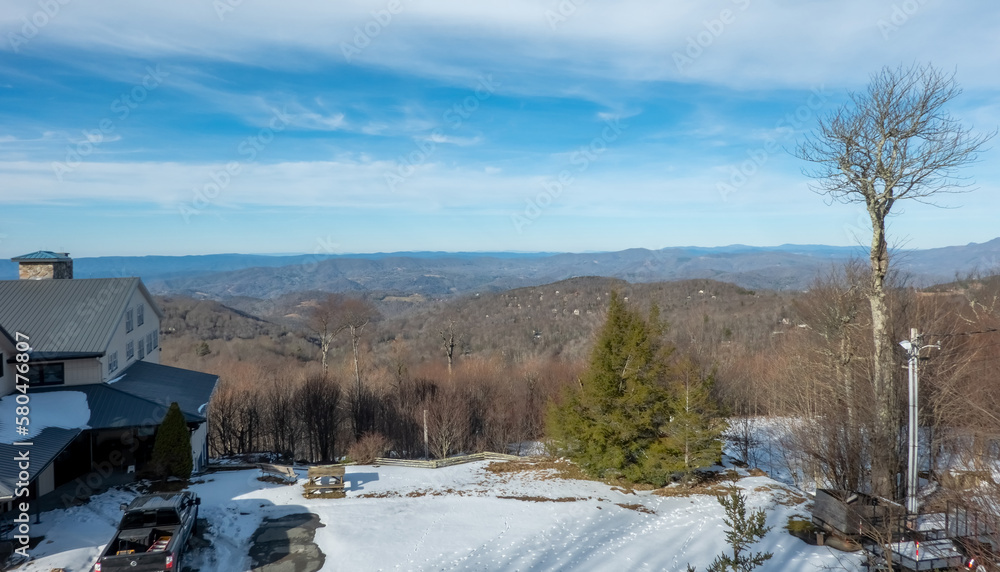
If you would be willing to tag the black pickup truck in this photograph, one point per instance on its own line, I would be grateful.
(152, 534)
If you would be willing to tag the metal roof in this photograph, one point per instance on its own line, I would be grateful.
(43, 449)
(112, 408)
(66, 315)
(138, 398)
(57, 356)
(42, 255)
(164, 385)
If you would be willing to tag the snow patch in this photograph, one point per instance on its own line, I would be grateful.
(63, 409)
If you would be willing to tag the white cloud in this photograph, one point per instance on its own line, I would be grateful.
(437, 137)
(769, 43)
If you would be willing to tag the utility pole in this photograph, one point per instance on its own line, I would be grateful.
(913, 347)
(427, 449)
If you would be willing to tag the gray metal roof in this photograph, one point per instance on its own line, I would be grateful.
(66, 315)
(44, 448)
(42, 255)
(112, 408)
(60, 356)
(164, 385)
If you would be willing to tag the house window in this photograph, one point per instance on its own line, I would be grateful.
(1, 364)
(149, 341)
(142, 349)
(46, 374)
(139, 311)
(156, 339)
(128, 320)
(129, 350)
(113, 362)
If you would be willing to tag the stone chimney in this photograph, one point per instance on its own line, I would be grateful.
(44, 265)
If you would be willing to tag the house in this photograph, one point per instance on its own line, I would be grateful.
(96, 390)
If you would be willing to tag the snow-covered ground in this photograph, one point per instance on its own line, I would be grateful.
(459, 518)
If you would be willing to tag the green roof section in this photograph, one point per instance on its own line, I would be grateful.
(66, 315)
(42, 255)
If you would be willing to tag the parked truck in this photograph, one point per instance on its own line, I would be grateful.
(152, 535)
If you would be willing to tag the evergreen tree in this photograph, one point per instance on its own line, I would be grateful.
(609, 425)
(632, 416)
(743, 530)
(172, 455)
(696, 426)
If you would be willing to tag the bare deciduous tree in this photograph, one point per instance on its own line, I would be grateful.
(325, 322)
(891, 142)
(448, 337)
(354, 315)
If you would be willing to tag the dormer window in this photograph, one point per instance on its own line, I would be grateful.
(128, 320)
(139, 311)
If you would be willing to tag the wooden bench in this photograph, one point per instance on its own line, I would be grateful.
(333, 475)
(283, 472)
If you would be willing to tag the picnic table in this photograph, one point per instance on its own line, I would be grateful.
(325, 478)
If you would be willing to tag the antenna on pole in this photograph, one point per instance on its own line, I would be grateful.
(913, 347)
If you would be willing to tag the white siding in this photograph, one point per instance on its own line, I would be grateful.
(199, 447)
(121, 337)
(82, 371)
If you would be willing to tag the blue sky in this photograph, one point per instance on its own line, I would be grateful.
(211, 126)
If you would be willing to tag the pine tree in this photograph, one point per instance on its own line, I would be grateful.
(172, 456)
(610, 425)
(743, 530)
(696, 427)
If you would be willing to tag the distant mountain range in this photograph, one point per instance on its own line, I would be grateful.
(439, 274)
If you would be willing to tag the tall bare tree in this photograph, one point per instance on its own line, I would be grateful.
(893, 141)
(355, 315)
(449, 343)
(325, 322)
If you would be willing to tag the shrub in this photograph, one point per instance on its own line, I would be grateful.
(369, 447)
(799, 526)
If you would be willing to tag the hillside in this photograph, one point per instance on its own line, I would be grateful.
(555, 319)
(437, 274)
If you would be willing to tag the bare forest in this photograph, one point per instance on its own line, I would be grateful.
(802, 356)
